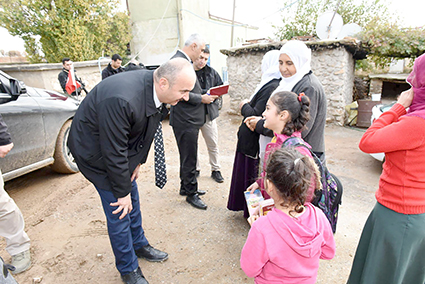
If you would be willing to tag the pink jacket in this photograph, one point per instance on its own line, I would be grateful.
(272, 146)
(282, 249)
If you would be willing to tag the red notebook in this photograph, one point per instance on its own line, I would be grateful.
(219, 90)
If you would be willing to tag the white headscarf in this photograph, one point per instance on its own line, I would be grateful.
(269, 69)
(300, 55)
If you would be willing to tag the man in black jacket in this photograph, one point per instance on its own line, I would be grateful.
(114, 67)
(186, 118)
(63, 77)
(208, 78)
(110, 137)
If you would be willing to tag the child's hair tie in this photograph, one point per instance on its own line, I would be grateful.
(296, 161)
(300, 95)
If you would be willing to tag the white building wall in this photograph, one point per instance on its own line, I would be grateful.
(183, 18)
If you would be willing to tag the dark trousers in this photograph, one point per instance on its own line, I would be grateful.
(126, 235)
(187, 142)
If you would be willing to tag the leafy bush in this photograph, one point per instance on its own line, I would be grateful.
(381, 36)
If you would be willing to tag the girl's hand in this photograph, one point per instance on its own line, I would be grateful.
(251, 122)
(253, 187)
(406, 98)
(252, 219)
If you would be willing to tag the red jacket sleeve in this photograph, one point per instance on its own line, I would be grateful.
(391, 133)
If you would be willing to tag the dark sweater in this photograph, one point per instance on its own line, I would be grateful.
(247, 139)
(5, 138)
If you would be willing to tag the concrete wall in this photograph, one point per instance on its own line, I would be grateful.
(45, 75)
(333, 66)
(183, 18)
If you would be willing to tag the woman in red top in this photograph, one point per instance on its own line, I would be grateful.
(392, 245)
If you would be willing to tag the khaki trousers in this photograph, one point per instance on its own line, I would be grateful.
(210, 133)
(12, 223)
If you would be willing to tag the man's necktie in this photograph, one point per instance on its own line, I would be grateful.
(160, 169)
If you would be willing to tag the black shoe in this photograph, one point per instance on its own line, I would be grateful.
(216, 175)
(151, 254)
(199, 192)
(197, 174)
(135, 277)
(195, 201)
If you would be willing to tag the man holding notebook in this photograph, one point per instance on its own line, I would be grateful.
(187, 118)
(209, 78)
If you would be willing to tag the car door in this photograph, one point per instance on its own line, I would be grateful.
(25, 123)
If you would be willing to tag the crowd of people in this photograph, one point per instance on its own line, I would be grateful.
(112, 132)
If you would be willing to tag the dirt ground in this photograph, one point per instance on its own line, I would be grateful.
(69, 241)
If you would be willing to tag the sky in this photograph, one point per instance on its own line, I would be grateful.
(262, 14)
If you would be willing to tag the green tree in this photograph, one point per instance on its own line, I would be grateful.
(300, 19)
(386, 41)
(79, 29)
(381, 34)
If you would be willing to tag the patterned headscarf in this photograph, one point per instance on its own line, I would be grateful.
(417, 80)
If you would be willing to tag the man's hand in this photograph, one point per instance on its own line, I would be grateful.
(5, 149)
(124, 205)
(135, 174)
(207, 99)
(251, 122)
(406, 98)
(245, 101)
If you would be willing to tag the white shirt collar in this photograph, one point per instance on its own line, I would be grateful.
(155, 98)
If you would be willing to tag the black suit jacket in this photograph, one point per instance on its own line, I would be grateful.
(189, 113)
(113, 129)
(209, 78)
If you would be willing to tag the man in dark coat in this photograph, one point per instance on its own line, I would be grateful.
(114, 67)
(208, 78)
(186, 118)
(110, 138)
(63, 77)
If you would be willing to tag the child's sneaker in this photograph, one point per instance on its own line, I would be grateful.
(21, 261)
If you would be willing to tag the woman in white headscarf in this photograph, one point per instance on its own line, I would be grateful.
(245, 166)
(294, 65)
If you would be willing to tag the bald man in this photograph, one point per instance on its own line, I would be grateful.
(110, 138)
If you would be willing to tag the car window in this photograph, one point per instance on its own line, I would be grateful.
(4, 85)
(2, 88)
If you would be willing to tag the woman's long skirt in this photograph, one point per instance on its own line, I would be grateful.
(391, 249)
(245, 172)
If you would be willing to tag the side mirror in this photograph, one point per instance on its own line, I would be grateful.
(16, 88)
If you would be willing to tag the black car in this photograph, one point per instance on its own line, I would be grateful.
(39, 122)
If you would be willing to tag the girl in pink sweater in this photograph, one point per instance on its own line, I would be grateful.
(285, 245)
(286, 115)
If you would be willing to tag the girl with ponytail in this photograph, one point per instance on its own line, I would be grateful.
(286, 115)
(285, 245)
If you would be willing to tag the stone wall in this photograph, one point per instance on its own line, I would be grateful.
(45, 75)
(335, 70)
(332, 62)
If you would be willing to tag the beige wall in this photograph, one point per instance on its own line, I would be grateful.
(193, 18)
(45, 75)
